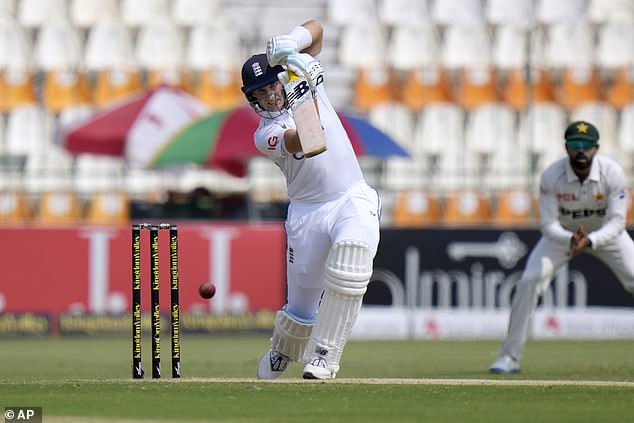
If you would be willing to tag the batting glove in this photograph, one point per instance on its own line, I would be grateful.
(305, 65)
(295, 89)
(279, 48)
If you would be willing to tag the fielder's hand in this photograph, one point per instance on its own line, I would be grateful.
(305, 65)
(578, 242)
(279, 48)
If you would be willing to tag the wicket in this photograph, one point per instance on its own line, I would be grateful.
(137, 368)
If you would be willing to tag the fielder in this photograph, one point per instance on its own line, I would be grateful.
(583, 205)
(332, 224)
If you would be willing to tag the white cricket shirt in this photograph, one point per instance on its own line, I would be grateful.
(598, 203)
(321, 178)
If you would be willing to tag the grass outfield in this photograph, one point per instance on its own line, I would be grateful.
(88, 380)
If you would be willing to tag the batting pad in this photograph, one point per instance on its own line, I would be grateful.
(348, 272)
(290, 335)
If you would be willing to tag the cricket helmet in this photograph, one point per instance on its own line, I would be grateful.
(256, 73)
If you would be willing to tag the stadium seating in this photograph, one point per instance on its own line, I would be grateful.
(477, 85)
(519, 90)
(108, 46)
(467, 207)
(116, 84)
(29, 131)
(189, 13)
(416, 209)
(457, 12)
(58, 52)
(605, 11)
(351, 12)
(489, 86)
(397, 13)
(425, 86)
(465, 46)
(509, 49)
(625, 139)
(159, 50)
(59, 208)
(540, 130)
(569, 43)
(65, 88)
(219, 89)
(413, 46)
(604, 116)
(515, 207)
(494, 156)
(14, 208)
(362, 50)
(108, 209)
(267, 184)
(216, 78)
(138, 13)
(93, 173)
(614, 46)
(397, 120)
(17, 85)
(548, 12)
(363, 45)
(579, 84)
(439, 144)
(32, 14)
(519, 13)
(85, 14)
(17, 88)
(374, 87)
(621, 91)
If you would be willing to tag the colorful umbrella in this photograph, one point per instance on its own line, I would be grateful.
(135, 128)
(367, 140)
(168, 127)
(222, 140)
(225, 140)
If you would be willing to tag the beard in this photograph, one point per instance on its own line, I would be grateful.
(580, 161)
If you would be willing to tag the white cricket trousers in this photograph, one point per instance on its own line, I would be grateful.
(543, 264)
(312, 229)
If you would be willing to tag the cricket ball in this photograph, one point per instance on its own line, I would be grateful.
(207, 290)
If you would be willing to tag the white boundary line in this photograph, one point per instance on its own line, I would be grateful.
(451, 382)
(352, 381)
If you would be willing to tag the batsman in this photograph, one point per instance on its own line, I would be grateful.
(332, 222)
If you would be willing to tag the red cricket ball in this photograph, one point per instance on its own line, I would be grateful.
(207, 290)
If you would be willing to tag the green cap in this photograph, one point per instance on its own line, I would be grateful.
(581, 130)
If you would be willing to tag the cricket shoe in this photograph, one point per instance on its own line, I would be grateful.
(318, 368)
(505, 364)
(272, 365)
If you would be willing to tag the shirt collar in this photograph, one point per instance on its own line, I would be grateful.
(571, 176)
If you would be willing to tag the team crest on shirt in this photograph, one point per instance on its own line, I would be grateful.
(599, 196)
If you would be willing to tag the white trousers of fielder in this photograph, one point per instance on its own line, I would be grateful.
(543, 264)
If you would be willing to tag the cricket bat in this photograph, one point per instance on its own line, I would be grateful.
(301, 103)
